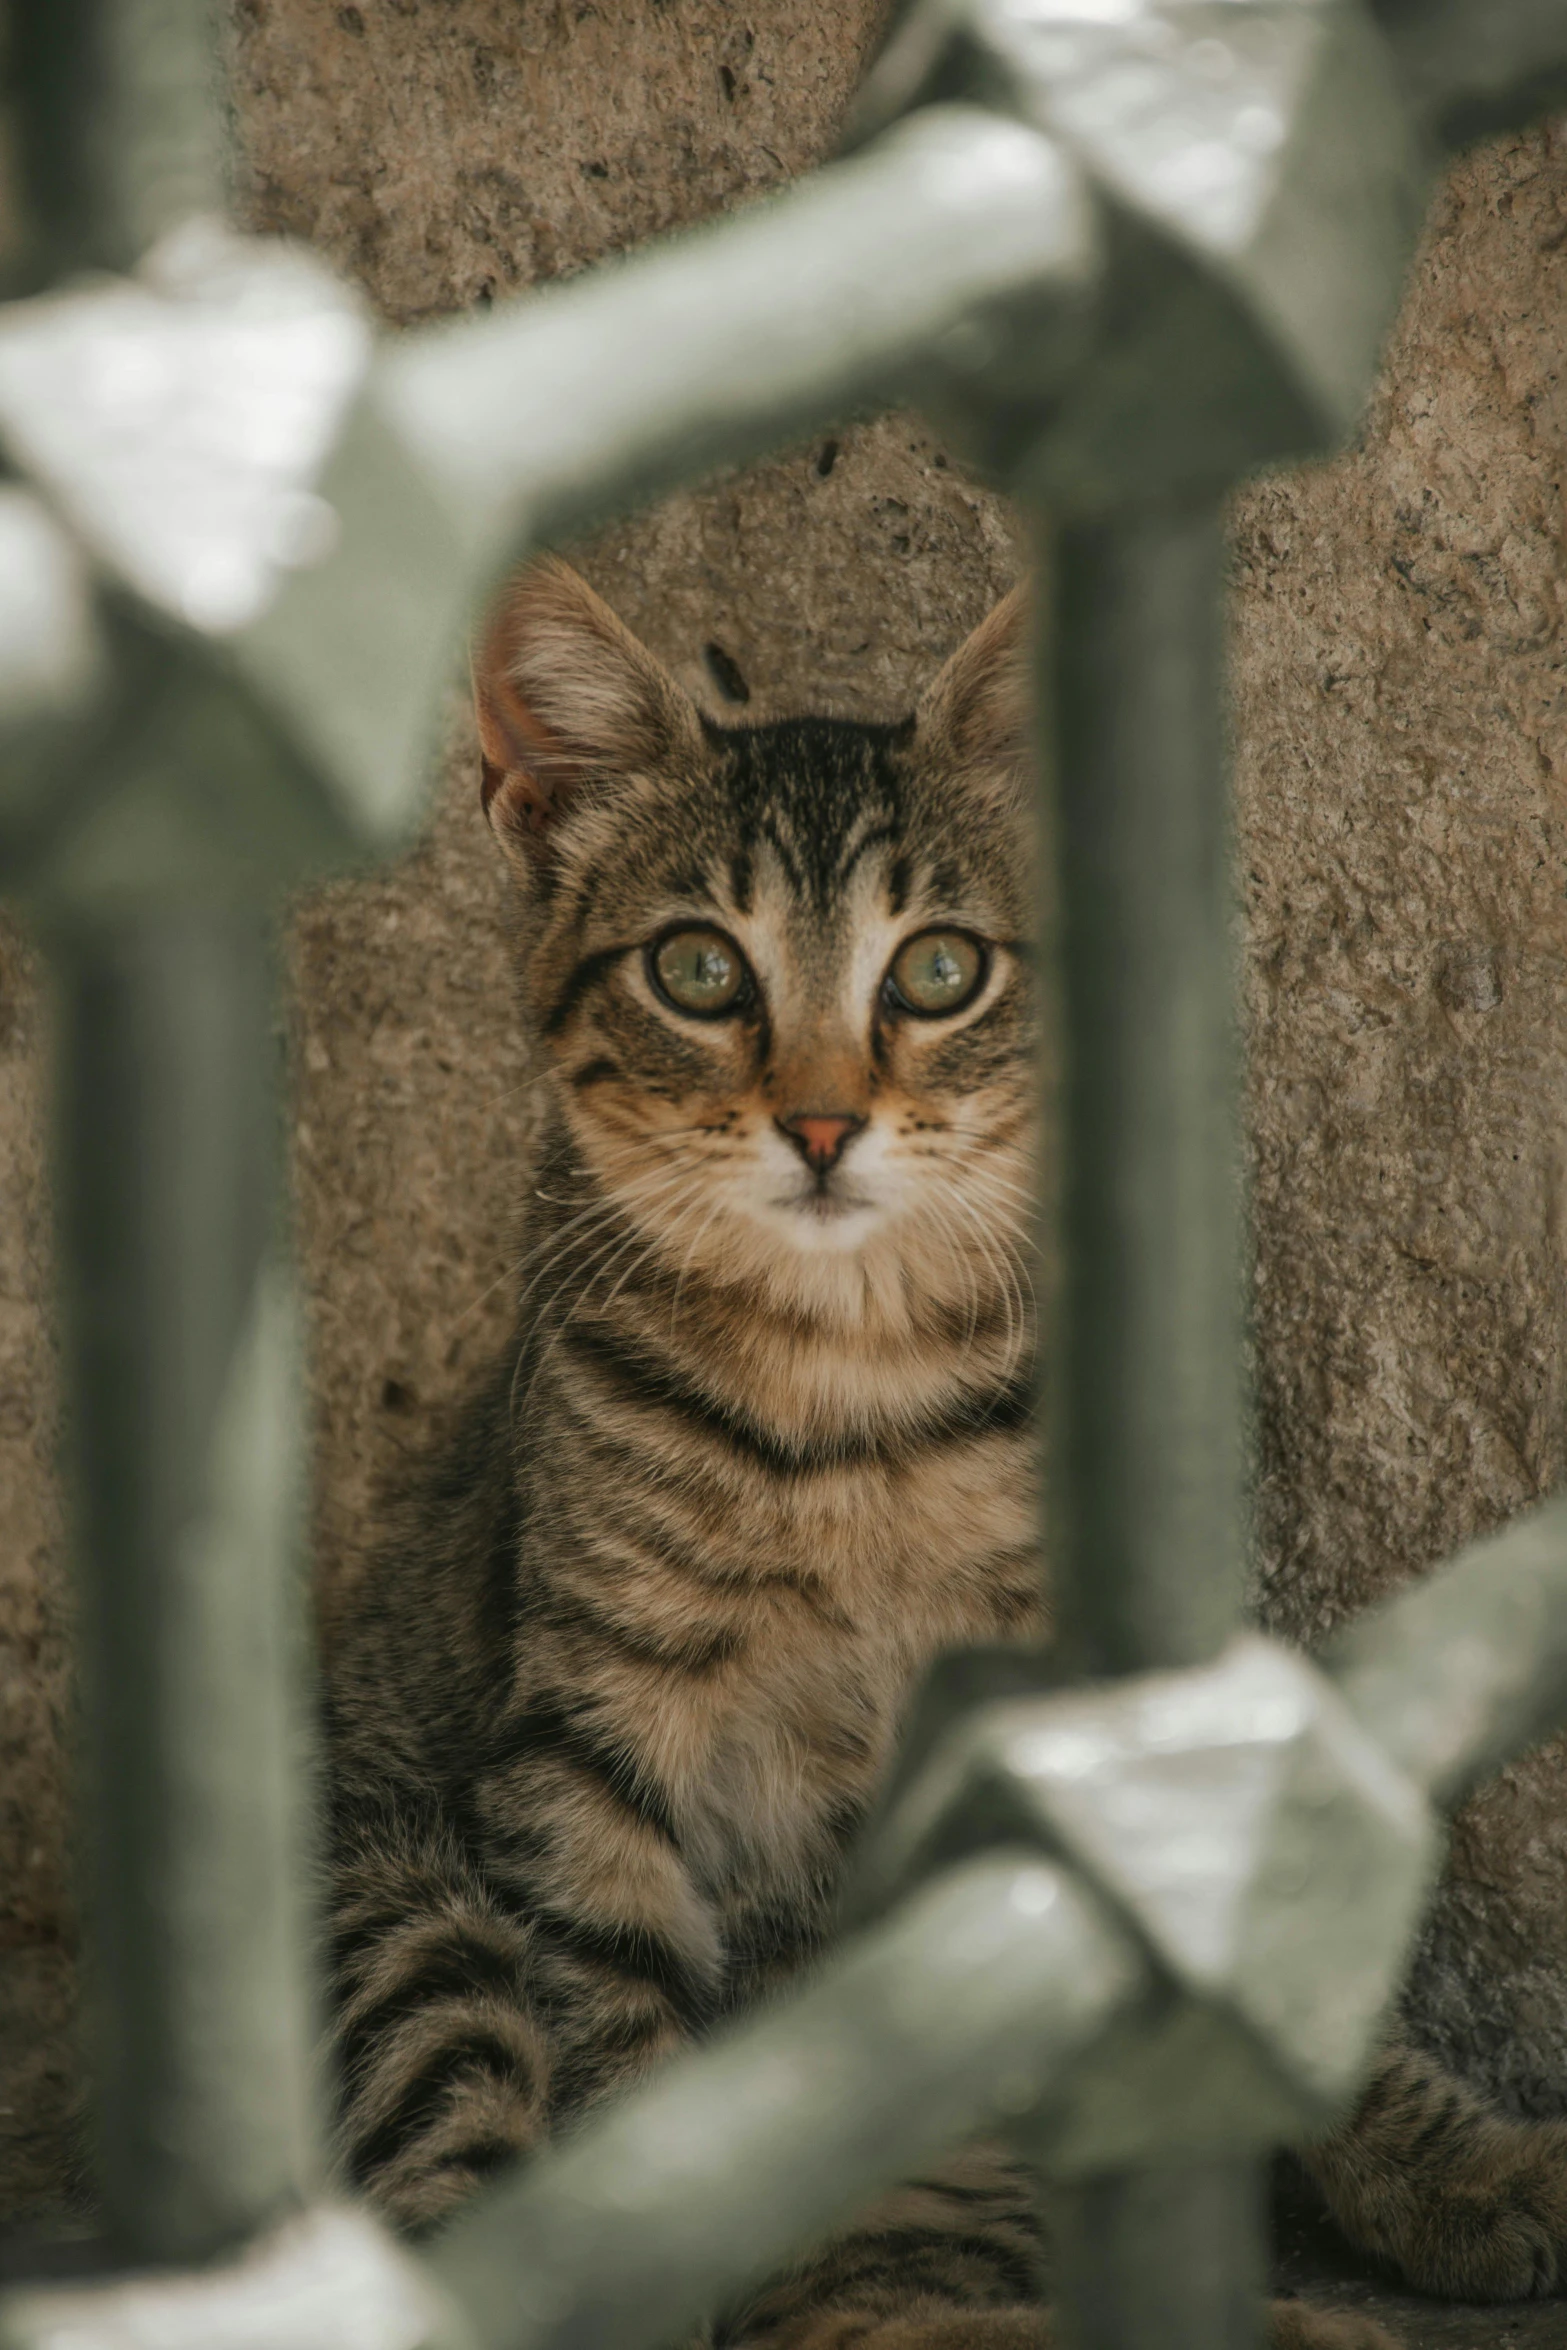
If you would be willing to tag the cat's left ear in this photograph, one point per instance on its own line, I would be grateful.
(568, 703)
(975, 713)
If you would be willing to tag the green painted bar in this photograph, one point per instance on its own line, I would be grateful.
(1149, 1569)
(119, 130)
(958, 245)
(1146, 1468)
(1474, 67)
(976, 1992)
(182, 1378)
(182, 1372)
(966, 2003)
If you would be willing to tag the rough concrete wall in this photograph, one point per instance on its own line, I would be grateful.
(1401, 723)
(1397, 675)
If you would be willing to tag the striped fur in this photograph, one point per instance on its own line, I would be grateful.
(616, 1699)
(1453, 2197)
(612, 1707)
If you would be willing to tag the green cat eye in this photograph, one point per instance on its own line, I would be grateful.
(936, 973)
(699, 971)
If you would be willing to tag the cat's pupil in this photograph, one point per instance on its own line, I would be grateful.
(937, 972)
(699, 970)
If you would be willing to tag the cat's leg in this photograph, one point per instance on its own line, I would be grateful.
(444, 2070)
(1299, 2325)
(951, 2259)
(957, 2261)
(483, 1996)
(1462, 2202)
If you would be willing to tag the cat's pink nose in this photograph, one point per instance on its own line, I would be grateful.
(820, 1135)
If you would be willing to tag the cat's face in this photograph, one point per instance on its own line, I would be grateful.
(781, 971)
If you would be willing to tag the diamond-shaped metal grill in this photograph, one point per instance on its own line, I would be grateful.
(1125, 250)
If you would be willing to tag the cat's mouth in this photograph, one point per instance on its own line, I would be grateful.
(827, 1196)
(824, 1205)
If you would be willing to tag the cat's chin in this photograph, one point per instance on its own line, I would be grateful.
(817, 1222)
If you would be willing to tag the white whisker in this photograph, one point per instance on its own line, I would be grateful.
(602, 1262)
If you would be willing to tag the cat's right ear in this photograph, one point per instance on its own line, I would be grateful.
(568, 703)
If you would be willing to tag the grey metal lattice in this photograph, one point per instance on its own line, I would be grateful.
(1127, 250)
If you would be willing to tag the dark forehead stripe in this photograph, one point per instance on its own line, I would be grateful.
(819, 791)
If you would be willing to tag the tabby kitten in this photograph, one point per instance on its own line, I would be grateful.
(611, 1708)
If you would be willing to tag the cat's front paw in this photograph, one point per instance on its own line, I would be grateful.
(1493, 2229)
(1460, 2202)
(924, 2325)
(1493, 2241)
(1297, 2325)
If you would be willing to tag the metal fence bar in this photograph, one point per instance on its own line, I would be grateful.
(1170, 2255)
(119, 132)
(967, 2003)
(183, 1383)
(954, 254)
(1470, 68)
(904, 267)
(971, 2000)
(1148, 1571)
(183, 1376)
(977, 1997)
(900, 264)
(1147, 1567)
